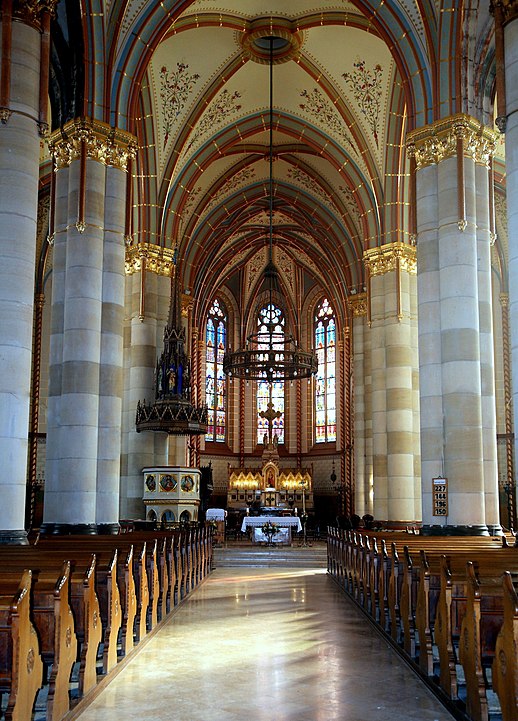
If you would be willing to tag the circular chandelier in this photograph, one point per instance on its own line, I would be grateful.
(270, 354)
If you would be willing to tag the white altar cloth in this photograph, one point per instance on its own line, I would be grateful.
(281, 521)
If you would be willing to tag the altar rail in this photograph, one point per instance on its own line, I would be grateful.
(450, 606)
(74, 607)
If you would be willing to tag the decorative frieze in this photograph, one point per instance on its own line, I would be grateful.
(156, 259)
(392, 256)
(358, 304)
(433, 143)
(103, 143)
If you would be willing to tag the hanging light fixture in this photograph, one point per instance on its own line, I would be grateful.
(270, 354)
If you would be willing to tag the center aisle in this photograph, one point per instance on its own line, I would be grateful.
(266, 644)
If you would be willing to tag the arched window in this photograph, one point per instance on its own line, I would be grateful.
(325, 386)
(215, 396)
(270, 392)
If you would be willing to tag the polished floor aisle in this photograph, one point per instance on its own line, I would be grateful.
(263, 644)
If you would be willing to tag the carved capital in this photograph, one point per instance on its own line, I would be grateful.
(385, 259)
(507, 8)
(157, 259)
(30, 11)
(105, 144)
(358, 304)
(433, 143)
(504, 300)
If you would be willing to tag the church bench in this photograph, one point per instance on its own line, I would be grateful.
(419, 593)
(21, 665)
(405, 579)
(505, 664)
(372, 573)
(173, 568)
(360, 562)
(136, 590)
(94, 599)
(479, 630)
(442, 599)
(54, 623)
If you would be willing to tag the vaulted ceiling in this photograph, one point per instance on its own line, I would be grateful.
(191, 80)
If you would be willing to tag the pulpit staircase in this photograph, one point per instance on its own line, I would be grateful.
(260, 556)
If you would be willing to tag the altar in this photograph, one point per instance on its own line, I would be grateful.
(285, 524)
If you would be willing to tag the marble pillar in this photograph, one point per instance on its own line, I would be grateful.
(358, 308)
(486, 344)
(509, 15)
(450, 289)
(391, 271)
(90, 159)
(21, 72)
(148, 287)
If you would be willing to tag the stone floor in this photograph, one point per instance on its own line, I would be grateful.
(267, 644)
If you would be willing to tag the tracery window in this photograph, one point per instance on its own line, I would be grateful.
(270, 392)
(325, 381)
(215, 389)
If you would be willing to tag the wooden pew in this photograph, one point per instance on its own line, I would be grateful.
(94, 599)
(133, 580)
(54, 624)
(426, 602)
(58, 641)
(21, 665)
(505, 664)
(481, 628)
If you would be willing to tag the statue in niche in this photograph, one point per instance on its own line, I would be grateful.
(171, 379)
(270, 478)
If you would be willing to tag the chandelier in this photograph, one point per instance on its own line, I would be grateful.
(270, 354)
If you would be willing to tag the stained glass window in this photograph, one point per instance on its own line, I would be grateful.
(270, 392)
(215, 387)
(325, 382)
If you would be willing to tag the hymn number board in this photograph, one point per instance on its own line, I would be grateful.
(440, 496)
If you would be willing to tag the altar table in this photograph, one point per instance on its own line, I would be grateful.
(285, 523)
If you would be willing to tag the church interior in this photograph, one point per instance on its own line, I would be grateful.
(257, 263)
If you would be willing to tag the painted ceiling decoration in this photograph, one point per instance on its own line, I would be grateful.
(351, 79)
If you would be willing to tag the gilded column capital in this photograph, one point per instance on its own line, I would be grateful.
(385, 258)
(433, 143)
(103, 143)
(504, 300)
(358, 304)
(508, 8)
(30, 11)
(158, 260)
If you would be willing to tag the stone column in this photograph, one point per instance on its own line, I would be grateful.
(89, 304)
(148, 288)
(358, 308)
(111, 353)
(391, 269)
(376, 311)
(487, 361)
(24, 67)
(506, 18)
(446, 155)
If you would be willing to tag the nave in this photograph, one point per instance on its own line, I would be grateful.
(264, 644)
